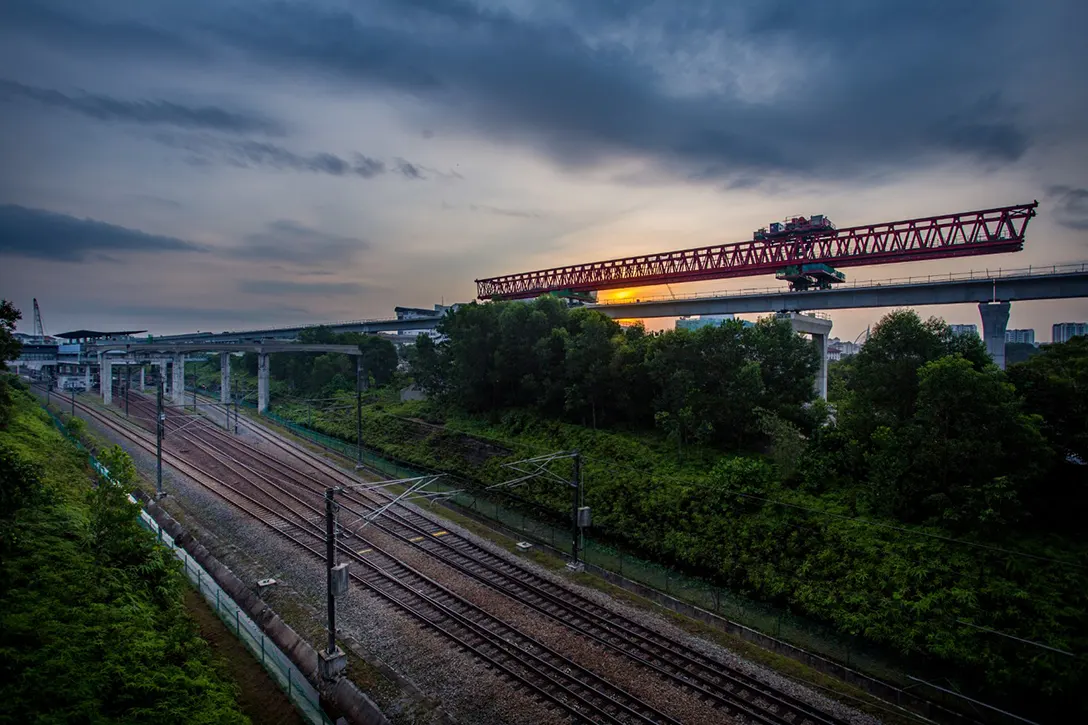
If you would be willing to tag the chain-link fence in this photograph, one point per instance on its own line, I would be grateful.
(304, 697)
(536, 525)
(279, 667)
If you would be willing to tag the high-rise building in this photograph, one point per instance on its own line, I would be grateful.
(694, 323)
(1065, 331)
(1022, 336)
(964, 329)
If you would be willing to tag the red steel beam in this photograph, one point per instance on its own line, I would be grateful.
(989, 231)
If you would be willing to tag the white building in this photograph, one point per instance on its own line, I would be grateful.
(838, 349)
(1026, 337)
(964, 329)
(1065, 331)
(694, 323)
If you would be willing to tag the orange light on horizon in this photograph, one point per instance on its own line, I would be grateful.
(618, 295)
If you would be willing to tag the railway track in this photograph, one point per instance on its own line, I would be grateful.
(548, 675)
(732, 691)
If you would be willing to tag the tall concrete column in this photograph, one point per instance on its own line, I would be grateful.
(163, 380)
(821, 375)
(87, 378)
(820, 329)
(142, 386)
(995, 318)
(105, 382)
(224, 377)
(177, 390)
(262, 382)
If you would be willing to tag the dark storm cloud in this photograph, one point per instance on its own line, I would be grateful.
(1070, 206)
(853, 87)
(73, 26)
(288, 241)
(148, 112)
(205, 150)
(288, 287)
(47, 235)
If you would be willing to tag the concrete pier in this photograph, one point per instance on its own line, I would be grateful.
(177, 389)
(142, 385)
(820, 329)
(224, 377)
(105, 380)
(262, 382)
(995, 318)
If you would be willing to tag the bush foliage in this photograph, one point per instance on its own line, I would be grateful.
(884, 517)
(93, 625)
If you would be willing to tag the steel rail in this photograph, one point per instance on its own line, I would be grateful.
(200, 476)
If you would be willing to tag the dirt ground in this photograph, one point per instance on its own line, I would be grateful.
(258, 695)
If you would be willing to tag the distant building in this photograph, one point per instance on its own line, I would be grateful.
(1065, 331)
(694, 323)
(418, 313)
(1026, 337)
(964, 329)
(838, 349)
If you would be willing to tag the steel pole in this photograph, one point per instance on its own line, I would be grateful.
(330, 555)
(158, 441)
(576, 488)
(359, 410)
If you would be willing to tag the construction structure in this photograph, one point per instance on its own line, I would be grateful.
(799, 242)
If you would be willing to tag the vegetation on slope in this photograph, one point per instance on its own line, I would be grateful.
(92, 623)
(849, 519)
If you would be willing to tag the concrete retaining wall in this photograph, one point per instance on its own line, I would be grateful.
(343, 696)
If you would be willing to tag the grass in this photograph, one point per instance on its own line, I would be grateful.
(259, 696)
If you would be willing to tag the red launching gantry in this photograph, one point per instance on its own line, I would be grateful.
(785, 247)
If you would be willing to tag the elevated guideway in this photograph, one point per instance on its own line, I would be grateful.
(992, 290)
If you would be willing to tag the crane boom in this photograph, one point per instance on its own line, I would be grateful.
(988, 231)
(39, 325)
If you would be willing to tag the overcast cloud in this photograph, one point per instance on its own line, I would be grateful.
(421, 141)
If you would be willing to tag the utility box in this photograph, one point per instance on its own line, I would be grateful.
(340, 580)
(585, 520)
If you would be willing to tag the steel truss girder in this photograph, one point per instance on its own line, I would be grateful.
(988, 231)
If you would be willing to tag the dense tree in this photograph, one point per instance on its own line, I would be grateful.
(884, 374)
(708, 385)
(969, 449)
(1055, 386)
(9, 350)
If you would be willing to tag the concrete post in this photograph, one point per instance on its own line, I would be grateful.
(105, 374)
(820, 329)
(178, 388)
(87, 378)
(995, 318)
(262, 382)
(224, 377)
(142, 378)
(164, 380)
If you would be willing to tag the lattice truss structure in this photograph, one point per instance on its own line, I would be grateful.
(988, 231)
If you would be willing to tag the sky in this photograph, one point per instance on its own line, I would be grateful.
(223, 164)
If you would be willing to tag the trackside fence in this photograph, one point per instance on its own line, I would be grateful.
(769, 626)
(279, 667)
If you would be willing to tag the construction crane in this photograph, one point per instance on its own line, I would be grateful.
(39, 326)
(798, 243)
